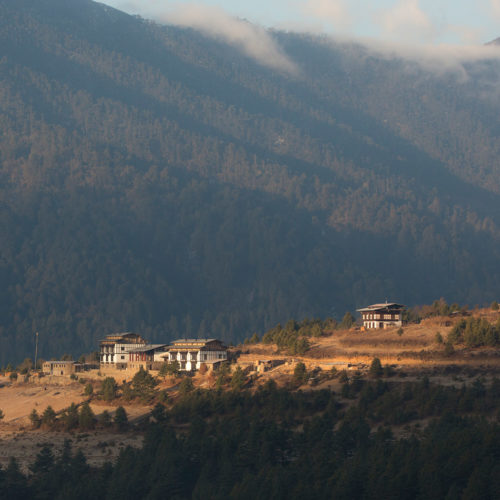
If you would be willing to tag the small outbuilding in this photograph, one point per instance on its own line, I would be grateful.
(61, 368)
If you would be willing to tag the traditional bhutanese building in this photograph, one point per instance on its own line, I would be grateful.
(114, 349)
(66, 368)
(148, 356)
(61, 367)
(192, 353)
(382, 315)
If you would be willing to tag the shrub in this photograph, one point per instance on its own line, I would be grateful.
(300, 373)
(49, 417)
(121, 419)
(347, 321)
(300, 346)
(89, 389)
(254, 339)
(109, 388)
(70, 417)
(163, 397)
(223, 374)
(400, 331)
(186, 386)
(376, 370)
(2, 415)
(291, 338)
(343, 378)
(494, 306)
(35, 419)
(439, 338)
(105, 418)
(86, 418)
(474, 332)
(143, 384)
(238, 379)
(169, 369)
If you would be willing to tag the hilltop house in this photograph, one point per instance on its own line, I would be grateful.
(192, 353)
(382, 315)
(114, 349)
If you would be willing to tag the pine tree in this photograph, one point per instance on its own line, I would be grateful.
(49, 417)
(86, 418)
(109, 388)
(35, 419)
(238, 379)
(121, 419)
(376, 370)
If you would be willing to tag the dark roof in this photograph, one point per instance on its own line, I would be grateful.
(117, 337)
(147, 348)
(378, 307)
(194, 341)
(188, 344)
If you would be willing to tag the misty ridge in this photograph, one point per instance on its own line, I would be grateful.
(259, 44)
(215, 180)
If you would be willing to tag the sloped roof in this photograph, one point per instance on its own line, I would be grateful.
(117, 337)
(193, 341)
(146, 348)
(377, 307)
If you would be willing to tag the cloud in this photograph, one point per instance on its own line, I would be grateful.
(252, 40)
(459, 61)
(334, 12)
(495, 7)
(406, 21)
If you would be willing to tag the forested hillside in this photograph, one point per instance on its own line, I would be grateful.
(156, 180)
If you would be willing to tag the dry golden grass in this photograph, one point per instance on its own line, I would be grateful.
(17, 439)
(416, 346)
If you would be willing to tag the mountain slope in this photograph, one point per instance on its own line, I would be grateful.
(157, 180)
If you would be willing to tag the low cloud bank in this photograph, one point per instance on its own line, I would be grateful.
(402, 25)
(440, 60)
(254, 41)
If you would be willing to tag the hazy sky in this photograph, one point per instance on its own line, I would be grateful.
(463, 22)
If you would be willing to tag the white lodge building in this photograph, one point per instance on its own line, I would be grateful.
(192, 353)
(114, 349)
(382, 315)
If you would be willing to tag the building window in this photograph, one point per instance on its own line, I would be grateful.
(123, 357)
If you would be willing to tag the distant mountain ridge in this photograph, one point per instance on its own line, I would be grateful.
(156, 180)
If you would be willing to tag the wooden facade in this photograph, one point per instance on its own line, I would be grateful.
(192, 353)
(114, 349)
(382, 315)
(147, 357)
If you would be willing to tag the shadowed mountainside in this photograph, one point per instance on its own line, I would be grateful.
(154, 179)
